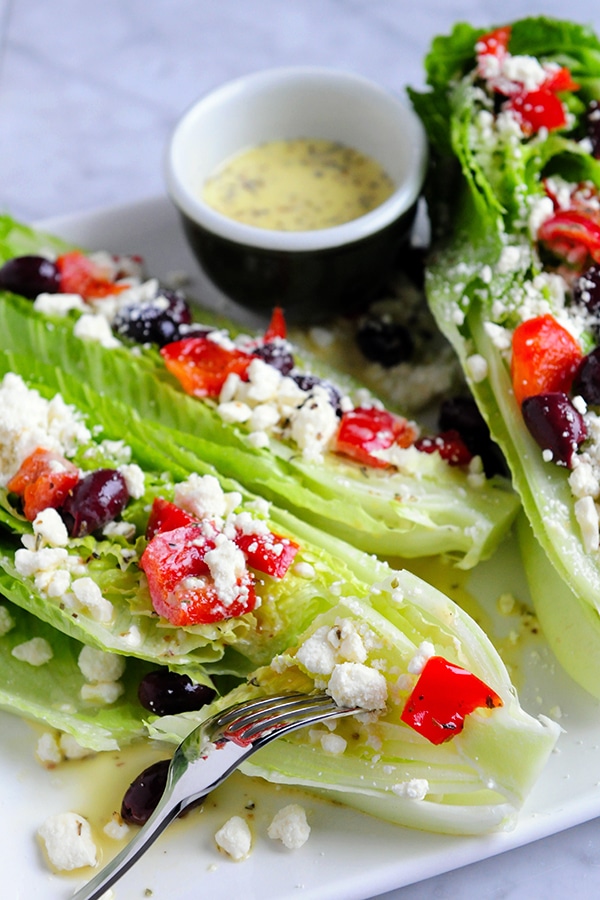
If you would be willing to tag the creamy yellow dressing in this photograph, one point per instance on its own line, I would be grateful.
(297, 185)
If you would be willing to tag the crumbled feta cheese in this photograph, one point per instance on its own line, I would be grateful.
(91, 327)
(29, 421)
(316, 654)
(49, 526)
(36, 651)
(425, 651)
(477, 367)
(234, 838)
(100, 665)
(201, 496)
(313, 425)
(227, 565)
(48, 750)
(59, 304)
(72, 749)
(333, 743)
(289, 825)
(134, 479)
(68, 841)
(116, 828)
(102, 692)
(90, 597)
(354, 684)
(414, 789)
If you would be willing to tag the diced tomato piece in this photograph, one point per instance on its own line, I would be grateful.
(201, 366)
(494, 43)
(365, 430)
(538, 109)
(450, 446)
(81, 275)
(268, 553)
(166, 516)
(444, 694)
(277, 327)
(560, 80)
(180, 583)
(571, 229)
(44, 480)
(545, 357)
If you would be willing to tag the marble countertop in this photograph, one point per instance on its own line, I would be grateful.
(89, 93)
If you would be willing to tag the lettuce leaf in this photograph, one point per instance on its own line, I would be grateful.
(473, 783)
(480, 214)
(426, 509)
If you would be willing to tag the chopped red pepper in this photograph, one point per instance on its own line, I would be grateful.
(545, 357)
(268, 553)
(181, 586)
(201, 365)
(166, 516)
(538, 109)
(494, 43)
(44, 480)
(365, 430)
(277, 327)
(81, 275)
(444, 694)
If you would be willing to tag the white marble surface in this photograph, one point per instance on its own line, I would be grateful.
(88, 95)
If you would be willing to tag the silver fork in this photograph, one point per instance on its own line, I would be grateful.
(207, 756)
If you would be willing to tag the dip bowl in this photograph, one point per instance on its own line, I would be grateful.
(313, 275)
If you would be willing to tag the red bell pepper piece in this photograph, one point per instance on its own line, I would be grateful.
(181, 586)
(201, 365)
(365, 430)
(81, 275)
(545, 357)
(44, 480)
(444, 694)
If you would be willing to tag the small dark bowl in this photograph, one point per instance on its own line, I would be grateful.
(316, 274)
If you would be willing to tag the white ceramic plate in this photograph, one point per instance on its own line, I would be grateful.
(348, 856)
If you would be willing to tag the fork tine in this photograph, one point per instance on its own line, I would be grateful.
(285, 711)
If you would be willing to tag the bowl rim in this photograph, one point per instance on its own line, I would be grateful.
(400, 202)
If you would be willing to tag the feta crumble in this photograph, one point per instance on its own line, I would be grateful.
(68, 841)
(234, 838)
(290, 826)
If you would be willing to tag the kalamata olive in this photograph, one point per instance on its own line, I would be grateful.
(462, 414)
(555, 424)
(30, 276)
(384, 341)
(144, 792)
(307, 382)
(277, 354)
(592, 120)
(157, 321)
(586, 290)
(169, 693)
(96, 500)
(587, 378)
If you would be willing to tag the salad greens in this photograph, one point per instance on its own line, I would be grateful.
(424, 507)
(473, 783)
(496, 177)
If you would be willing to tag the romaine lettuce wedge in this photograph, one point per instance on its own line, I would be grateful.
(50, 692)
(488, 272)
(423, 507)
(473, 783)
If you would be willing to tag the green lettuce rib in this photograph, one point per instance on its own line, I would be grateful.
(429, 509)
(474, 783)
(478, 212)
